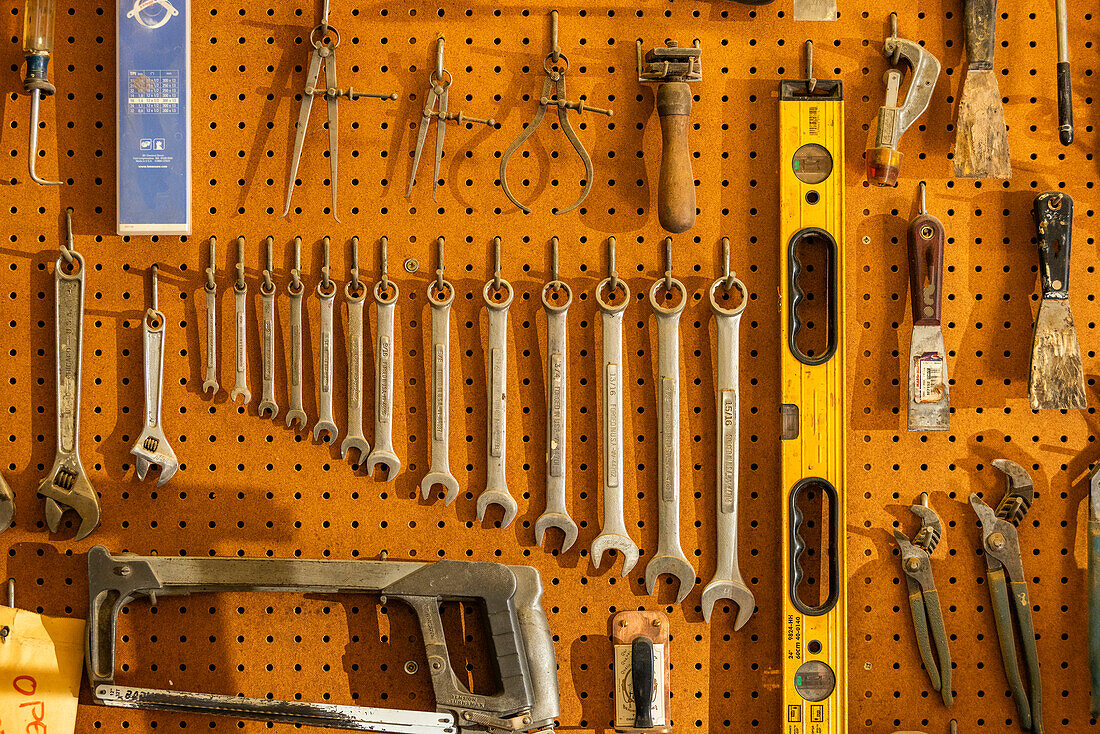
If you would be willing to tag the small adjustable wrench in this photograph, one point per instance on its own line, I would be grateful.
(267, 342)
(152, 447)
(613, 534)
(727, 582)
(496, 487)
(670, 557)
(325, 429)
(557, 307)
(354, 293)
(385, 300)
(211, 383)
(296, 416)
(440, 295)
(240, 343)
(66, 487)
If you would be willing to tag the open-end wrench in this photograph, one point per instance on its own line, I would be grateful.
(296, 416)
(152, 447)
(267, 340)
(556, 297)
(669, 558)
(210, 384)
(66, 487)
(613, 534)
(496, 487)
(385, 300)
(325, 429)
(240, 324)
(727, 582)
(354, 293)
(440, 295)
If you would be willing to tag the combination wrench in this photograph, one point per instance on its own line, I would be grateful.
(66, 487)
(295, 289)
(385, 300)
(325, 429)
(152, 447)
(613, 534)
(267, 341)
(727, 582)
(354, 293)
(669, 558)
(210, 384)
(556, 297)
(440, 296)
(496, 487)
(240, 343)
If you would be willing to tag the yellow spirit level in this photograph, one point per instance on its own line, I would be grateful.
(811, 231)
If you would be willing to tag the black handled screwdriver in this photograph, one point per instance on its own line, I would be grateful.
(1065, 92)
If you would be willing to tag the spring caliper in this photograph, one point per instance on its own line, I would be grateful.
(152, 447)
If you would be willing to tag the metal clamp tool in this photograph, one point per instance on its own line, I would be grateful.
(38, 23)
(1005, 568)
(613, 533)
(438, 91)
(440, 295)
(556, 297)
(66, 487)
(727, 582)
(669, 558)
(924, 600)
(267, 337)
(385, 301)
(523, 647)
(325, 39)
(884, 159)
(210, 384)
(355, 292)
(295, 289)
(553, 93)
(325, 428)
(152, 447)
(496, 487)
(240, 331)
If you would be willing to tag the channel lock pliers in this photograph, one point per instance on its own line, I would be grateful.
(924, 600)
(1004, 569)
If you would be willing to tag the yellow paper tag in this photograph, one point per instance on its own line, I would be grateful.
(41, 662)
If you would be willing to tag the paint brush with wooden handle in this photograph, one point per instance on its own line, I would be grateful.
(981, 139)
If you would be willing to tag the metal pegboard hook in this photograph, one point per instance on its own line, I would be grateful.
(439, 241)
(156, 296)
(384, 246)
(728, 277)
(923, 209)
(440, 40)
(11, 593)
(240, 263)
(324, 17)
(326, 281)
(210, 285)
(613, 272)
(555, 281)
(555, 50)
(668, 264)
(355, 283)
(269, 283)
(811, 83)
(496, 263)
(296, 271)
(67, 247)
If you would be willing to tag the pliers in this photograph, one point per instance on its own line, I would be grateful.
(1004, 568)
(924, 600)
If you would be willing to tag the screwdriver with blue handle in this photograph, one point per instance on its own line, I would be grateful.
(38, 18)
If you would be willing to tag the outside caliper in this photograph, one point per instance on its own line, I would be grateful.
(527, 697)
(884, 160)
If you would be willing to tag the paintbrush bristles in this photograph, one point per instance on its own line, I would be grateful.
(981, 138)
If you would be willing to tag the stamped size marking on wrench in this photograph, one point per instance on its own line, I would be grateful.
(385, 300)
(66, 487)
(496, 488)
(354, 293)
(727, 582)
(240, 301)
(152, 447)
(669, 558)
(325, 428)
(296, 416)
(556, 297)
(267, 296)
(210, 384)
(613, 534)
(440, 295)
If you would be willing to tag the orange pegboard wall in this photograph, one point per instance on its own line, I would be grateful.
(252, 487)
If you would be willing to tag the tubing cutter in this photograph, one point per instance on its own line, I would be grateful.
(325, 40)
(1004, 567)
(924, 600)
(884, 160)
(556, 64)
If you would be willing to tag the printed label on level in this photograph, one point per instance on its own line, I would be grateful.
(794, 637)
(153, 92)
(624, 702)
(928, 376)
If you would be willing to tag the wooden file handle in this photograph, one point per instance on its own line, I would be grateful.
(676, 187)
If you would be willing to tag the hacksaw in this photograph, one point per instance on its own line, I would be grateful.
(811, 206)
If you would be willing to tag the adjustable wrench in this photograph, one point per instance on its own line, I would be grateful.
(670, 557)
(240, 343)
(354, 293)
(440, 295)
(557, 513)
(325, 429)
(296, 289)
(66, 487)
(496, 487)
(267, 339)
(152, 447)
(385, 299)
(727, 582)
(613, 534)
(211, 383)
